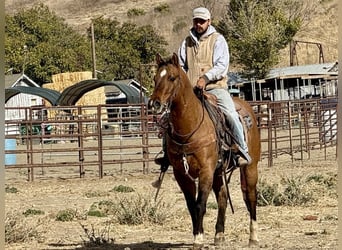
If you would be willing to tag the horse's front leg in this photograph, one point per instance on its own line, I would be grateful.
(188, 188)
(221, 198)
(249, 178)
(205, 183)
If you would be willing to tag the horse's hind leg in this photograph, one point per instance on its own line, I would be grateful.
(249, 178)
(221, 198)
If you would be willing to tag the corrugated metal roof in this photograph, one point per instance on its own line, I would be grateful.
(311, 69)
(48, 94)
(12, 88)
(72, 94)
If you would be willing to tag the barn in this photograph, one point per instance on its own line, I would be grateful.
(294, 82)
(16, 98)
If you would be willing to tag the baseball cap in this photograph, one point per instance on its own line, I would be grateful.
(201, 13)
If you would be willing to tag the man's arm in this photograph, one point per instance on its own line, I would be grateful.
(220, 60)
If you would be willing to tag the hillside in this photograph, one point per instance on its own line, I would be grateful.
(322, 27)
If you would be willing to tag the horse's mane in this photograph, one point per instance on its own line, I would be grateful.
(174, 60)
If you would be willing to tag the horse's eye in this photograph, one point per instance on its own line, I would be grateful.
(172, 78)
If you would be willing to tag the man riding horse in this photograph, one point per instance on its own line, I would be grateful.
(204, 56)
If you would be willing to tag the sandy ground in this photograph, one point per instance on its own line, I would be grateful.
(280, 227)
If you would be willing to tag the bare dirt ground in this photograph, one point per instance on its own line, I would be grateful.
(310, 226)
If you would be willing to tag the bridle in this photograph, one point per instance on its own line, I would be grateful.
(187, 136)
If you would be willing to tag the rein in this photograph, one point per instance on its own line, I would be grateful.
(192, 132)
(190, 147)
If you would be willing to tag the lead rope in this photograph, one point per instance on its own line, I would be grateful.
(186, 167)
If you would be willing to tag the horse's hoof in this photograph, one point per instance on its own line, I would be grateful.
(219, 239)
(253, 243)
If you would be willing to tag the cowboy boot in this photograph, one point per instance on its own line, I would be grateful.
(243, 158)
(163, 162)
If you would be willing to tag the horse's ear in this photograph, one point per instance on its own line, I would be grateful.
(159, 60)
(175, 59)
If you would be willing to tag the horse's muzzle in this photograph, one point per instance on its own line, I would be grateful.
(156, 106)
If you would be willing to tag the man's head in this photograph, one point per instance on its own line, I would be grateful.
(201, 19)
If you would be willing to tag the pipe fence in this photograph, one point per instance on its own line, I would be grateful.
(98, 138)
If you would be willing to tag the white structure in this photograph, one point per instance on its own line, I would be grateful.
(19, 100)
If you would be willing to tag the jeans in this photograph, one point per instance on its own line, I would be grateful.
(225, 102)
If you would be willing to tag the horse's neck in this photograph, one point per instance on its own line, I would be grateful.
(186, 110)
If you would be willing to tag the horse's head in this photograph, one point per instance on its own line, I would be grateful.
(167, 82)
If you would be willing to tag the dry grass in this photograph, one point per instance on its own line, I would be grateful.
(286, 226)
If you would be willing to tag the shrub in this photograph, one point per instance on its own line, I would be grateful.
(137, 210)
(102, 208)
(179, 25)
(92, 194)
(66, 215)
(162, 8)
(329, 182)
(122, 189)
(30, 211)
(17, 229)
(294, 192)
(97, 237)
(96, 213)
(268, 194)
(12, 190)
(135, 12)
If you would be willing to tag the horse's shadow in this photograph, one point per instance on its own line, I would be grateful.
(129, 246)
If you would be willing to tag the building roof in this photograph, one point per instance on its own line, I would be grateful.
(21, 83)
(311, 70)
(49, 94)
(14, 79)
(72, 94)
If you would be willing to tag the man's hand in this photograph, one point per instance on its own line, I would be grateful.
(200, 83)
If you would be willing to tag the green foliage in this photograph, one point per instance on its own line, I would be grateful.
(179, 25)
(135, 12)
(257, 30)
(39, 43)
(12, 190)
(138, 210)
(124, 48)
(162, 8)
(329, 181)
(66, 215)
(96, 213)
(92, 194)
(290, 192)
(102, 208)
(30, 211)
(268, 194)
(295, 193)
(123, 189)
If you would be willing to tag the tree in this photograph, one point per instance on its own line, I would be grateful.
(257, 30)
(41, 44)
(121, 48)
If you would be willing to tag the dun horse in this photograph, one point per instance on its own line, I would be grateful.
(193, 150)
